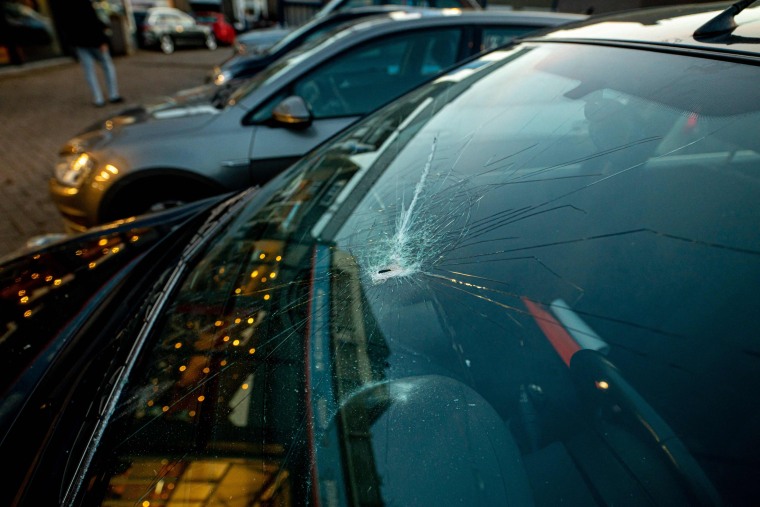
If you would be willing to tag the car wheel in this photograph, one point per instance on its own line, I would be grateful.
(167, 44)
(211, 42)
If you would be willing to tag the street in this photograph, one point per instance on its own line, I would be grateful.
(42, 107)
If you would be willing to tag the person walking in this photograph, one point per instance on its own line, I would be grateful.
(85, 31)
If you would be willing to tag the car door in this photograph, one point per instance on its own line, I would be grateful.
(348, 87)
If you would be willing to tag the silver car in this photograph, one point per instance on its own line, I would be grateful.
(210, 141)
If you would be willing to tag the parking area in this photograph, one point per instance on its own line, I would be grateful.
(42, 107)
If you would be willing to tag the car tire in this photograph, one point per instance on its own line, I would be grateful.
(166, 43)
(211, 42)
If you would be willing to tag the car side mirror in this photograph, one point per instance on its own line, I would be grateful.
(293, 112)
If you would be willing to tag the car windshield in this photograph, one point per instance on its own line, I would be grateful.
(533, 281)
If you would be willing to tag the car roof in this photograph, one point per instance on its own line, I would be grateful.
(421, 17)
(670, 26)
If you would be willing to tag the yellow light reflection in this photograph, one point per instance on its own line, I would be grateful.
(273, 275)
(266, 297)
(206, 370)
(254, 274)
(236, 343)
(35, 276)
(602, 384)
(103, 242)
(201, 398)
(24, 300)
(165, 408)
(251, 351)
(224, 362)
(218, 323)
(91, 265)
(244, 387)
(238, 291)
(21, 293)
(57, 282)
(27, 314)
(226, 339)
(250, 320)
(178, 345)
(263, 256)
(278, 258)
(237, 321)
(134, 239)
(182, 368)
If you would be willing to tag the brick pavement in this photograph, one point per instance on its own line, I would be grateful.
(43, 105)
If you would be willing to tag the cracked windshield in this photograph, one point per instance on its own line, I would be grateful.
(522, 284)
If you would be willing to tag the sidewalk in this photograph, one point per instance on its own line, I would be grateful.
(44, 104)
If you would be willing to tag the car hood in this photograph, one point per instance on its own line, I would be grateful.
(184, 111)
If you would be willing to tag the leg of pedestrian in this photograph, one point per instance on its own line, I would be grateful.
(87, 59)
(104, 57)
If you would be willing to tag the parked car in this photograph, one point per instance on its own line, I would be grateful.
(258, 41)
(251, 57)
(223, 31)
(199, 144)
(537, 273)
(23, 25)
(167, 28)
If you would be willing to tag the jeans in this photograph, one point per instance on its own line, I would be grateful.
(88, 57)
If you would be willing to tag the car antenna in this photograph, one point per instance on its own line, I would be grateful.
(724, 22)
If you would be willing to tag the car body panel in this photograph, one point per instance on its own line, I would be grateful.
(671, 26)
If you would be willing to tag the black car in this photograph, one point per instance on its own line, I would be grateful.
(167, 28)
(532, 281)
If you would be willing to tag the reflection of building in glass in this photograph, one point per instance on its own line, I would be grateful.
(232, 483)
(360, 355)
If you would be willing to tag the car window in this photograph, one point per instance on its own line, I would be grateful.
(364, 78)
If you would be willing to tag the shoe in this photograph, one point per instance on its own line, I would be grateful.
(116, 100)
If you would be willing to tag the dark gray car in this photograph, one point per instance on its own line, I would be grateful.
(196, 144)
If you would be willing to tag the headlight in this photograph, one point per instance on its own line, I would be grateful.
(222, 77)
(73, 169)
